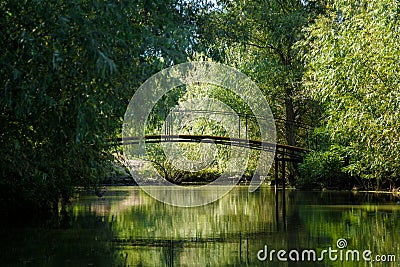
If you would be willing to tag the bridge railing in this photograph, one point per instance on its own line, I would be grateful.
(282, 152)
(244, 121)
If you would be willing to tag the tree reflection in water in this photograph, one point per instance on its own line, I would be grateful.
(128, 227)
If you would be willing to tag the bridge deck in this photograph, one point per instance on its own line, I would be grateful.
(282, 152)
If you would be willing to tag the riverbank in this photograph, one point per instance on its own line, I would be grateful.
(127, 180)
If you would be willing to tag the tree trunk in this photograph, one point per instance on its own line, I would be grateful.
(290, 131)
(290, 118)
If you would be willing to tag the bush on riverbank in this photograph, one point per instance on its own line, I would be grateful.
(324, 169)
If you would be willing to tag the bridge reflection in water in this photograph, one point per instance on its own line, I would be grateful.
(130, 228)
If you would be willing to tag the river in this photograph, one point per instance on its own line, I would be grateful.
(265, 228)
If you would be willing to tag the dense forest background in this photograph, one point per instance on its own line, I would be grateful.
(69, 69)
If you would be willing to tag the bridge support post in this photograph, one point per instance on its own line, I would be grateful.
(283, 174)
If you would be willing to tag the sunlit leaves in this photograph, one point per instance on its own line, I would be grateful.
(259, 37)
(352, 59)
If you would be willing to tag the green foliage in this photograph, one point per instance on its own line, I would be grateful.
(68, 69)
(352, 60)
(169, 171)
(325, 169)
(259, 37)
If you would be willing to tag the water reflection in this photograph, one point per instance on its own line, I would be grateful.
(127, 227)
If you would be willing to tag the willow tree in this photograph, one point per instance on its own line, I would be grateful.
(68, 70)
(259, 38)
(353, 70)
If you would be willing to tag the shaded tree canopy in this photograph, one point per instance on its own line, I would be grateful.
(68, 69)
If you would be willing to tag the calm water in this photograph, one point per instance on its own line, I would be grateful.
(129, 228)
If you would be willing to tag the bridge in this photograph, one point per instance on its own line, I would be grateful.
(283, 153)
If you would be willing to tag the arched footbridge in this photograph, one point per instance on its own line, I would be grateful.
(283, 153)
